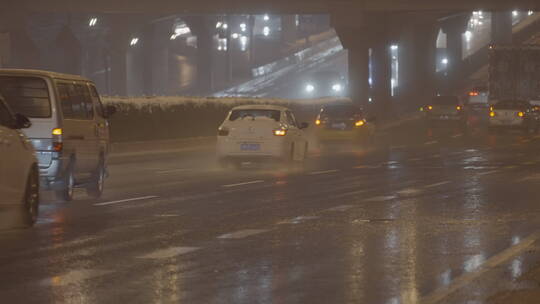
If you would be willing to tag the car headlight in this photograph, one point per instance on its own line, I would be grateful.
(310, 88)
(337, 87)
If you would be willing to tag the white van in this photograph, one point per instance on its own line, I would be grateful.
(69, 131)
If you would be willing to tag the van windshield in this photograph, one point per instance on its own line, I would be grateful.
(26, 95)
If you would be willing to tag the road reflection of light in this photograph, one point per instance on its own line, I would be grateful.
(167, 280)
(474, 262)
(516, 268)
(393, 300)
(446, 277)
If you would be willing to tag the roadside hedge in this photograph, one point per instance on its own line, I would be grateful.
(158, 118)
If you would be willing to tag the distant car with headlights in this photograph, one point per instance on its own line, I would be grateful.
(260, 133)
(514, 114)
(343, 121)
(445, 109)
(324, 84)
(69, 131)
(19, 173)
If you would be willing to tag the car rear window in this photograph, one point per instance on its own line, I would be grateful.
(446, 100)
(511, 104)
(26, 95)
(341, 110)
(254, 113)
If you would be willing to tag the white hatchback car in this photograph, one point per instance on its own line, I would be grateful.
(19, 173)
(261, 133)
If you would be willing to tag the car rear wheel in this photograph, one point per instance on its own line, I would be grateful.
(97, 184)
(67, 192)
(30, 207)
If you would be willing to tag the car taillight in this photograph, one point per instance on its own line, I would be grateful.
(280, 132)
(359, 123)
(429, 107)
(223, 132)
(520, 114)
(58, 146)
(473, 93)
(492, 114)
(458, 108)
(318, 122)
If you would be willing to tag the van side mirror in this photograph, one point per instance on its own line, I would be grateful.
(22, 122)
(304, 125)
(109, 111)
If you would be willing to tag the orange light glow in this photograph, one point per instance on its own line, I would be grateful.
(280, 132)
(359, 123)
(492, 114)
(57, 131)
(318, 122)
(521, 114)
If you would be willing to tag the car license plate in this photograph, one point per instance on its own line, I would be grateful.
(250, 147)
(340, 126)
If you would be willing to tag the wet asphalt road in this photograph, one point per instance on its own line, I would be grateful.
(422, 216)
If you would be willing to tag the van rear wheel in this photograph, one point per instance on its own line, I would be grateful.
(67, 192)
(96, 186)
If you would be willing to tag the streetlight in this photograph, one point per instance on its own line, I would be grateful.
(92, 22)
(134, 41)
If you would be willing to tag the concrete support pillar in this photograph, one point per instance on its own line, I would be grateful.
(358, 54)
(16, 46)
(204, 28)
(454, 27)
(288, 29)
(67, 57)
(417, 50)
(501, 27)
(156, 41)
(118, 41)
(382, 75)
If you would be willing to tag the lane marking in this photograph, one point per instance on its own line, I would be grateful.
(464, 280)
(531, 177)
(457, 135)
(380, 198)
(172, 171)
(127, 200)
(166, 215)
(487, 173)
(431, 142)
(409, 191)
(168, 253)
(437, 184)
(398, 147)
(510, 167)
(74, 277)
(349, 193)
(242, 233)
(341, 208)
(298, 220)
(243, 184)
(323, 172)
(367, 167)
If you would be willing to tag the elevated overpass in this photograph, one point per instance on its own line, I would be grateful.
(366, 28)
(274, 6)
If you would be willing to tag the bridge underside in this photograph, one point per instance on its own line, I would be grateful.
(274, 6)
